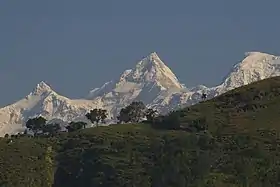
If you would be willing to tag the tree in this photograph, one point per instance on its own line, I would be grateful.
(151, 114)
(124, 116)
(51, 129)
(97, 115)
(74, 126)
(36, 124)
(203, 96)
(134, 112)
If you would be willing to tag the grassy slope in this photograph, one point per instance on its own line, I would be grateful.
(234, 152)
(23, 163)
(244, 109)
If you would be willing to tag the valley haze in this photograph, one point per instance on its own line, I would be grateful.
(150, 81)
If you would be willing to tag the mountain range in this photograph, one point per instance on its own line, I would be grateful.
(151, 81)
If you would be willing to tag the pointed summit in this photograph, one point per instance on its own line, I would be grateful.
(149, 73)
(151, 60)
(154, 56)
(152, 69)
(41, 88)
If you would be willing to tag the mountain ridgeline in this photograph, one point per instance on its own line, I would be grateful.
(151, 81)
(231, 140)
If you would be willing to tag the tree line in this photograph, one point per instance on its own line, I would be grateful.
(134, 113)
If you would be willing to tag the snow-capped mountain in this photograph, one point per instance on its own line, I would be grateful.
(256, 66)
(41, 101)
(151, 81)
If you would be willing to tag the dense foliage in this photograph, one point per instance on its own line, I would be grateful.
(97, 115)
(26, 161)
(135, 112)
(229, 141)
(138, 156)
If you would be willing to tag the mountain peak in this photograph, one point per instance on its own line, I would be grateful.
(153, 55)
(41, 88)
(255, 66)
(256, 53)
(149, 61)
(256, 59)
(152, 69)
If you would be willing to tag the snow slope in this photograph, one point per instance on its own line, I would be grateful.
(256, 66)
(41, 101)
(151, 81)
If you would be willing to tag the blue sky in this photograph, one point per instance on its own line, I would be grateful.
(78, 45)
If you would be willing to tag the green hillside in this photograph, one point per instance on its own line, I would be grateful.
(246, 109)
(25, 162)
(229, 141)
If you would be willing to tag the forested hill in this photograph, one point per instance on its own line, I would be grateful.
(229, 141)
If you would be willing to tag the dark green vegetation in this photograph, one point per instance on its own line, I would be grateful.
(229, 141)
(26, 162)
(97, 115)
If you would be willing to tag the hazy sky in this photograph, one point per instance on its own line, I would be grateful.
(78, 45)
